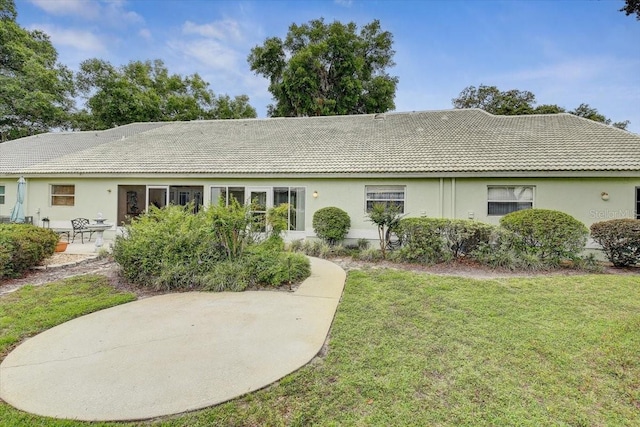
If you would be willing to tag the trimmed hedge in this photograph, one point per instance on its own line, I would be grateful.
(331, 224)
(23, 246)
(549, 235)
(432, 240)
(620, 240)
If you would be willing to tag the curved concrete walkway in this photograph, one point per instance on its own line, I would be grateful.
(172, 353)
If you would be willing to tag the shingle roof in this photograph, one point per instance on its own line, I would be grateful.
(419, 142)
(20, 154)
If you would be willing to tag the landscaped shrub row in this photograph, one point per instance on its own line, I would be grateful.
(527, 239)
(432, 240)
(219, 248)
(549, 235)
(23, 246)
(620, 240)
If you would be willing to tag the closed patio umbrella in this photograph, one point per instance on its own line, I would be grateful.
(17, 214)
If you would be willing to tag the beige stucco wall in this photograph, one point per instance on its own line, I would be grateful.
(433, 197)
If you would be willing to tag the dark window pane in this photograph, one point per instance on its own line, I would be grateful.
(503, 208)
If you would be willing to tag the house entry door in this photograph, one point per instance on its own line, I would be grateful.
(261, 200)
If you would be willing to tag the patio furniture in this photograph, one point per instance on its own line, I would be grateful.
(81, 226)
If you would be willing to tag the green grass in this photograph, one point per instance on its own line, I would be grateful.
(411, 349)
(33, 309)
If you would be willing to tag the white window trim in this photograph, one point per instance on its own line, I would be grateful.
(404, 191)
(248, 188)
(533, 197)
(2, 194)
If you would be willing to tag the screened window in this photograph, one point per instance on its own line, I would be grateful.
(504, 200)
(1, 194)
(295, 197)
(389, 195)
(226, 193)
(63, 195)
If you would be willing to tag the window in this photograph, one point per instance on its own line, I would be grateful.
(504, 200)
(1, 194)
(226, 193)
(294, 196)
(389, 195)
(637, 202)
(63, 195)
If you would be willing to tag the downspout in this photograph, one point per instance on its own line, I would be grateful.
(441, 204)
(453, 198)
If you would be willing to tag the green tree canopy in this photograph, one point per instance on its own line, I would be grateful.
(516, 102)
(327, 69)
(35, 91)
(631, 7)
(144, 91)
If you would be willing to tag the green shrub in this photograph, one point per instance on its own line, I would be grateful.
(169, 248)
(363, 244)
(422, 240)
(549, 235)
(331, 224)
(172, 248)
(315, 248)
(23, 246)
(505, 251)
(227, 275)
(266, 267)
(370, 254)
(431, 240)
(620, 240)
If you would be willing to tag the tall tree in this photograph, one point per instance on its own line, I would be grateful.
(145, 91)
(516, 102)
(35, 91)
(326, 69)
(631, 7)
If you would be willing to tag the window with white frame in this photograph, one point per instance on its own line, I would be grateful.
(1, 194)
(389, 195)
(293, 196)
(63, 195)
(506, 199)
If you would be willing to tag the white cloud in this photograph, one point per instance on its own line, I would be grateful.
(89, 10)
(76, 39)
(145, 34)
(226, 29)
(210, 53)
(112, 12)
(345, 3)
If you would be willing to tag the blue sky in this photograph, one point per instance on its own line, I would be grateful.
(566, 52)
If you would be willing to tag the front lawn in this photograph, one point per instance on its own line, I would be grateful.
(413, 349)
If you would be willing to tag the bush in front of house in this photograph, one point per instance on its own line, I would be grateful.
(331, 224)
(432, 240)
(504, 250)
(23, 246)
(620, 240)
(167, 248)
(549, 235)
(215, 249)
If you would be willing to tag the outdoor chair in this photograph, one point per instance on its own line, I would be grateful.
(79, 226)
